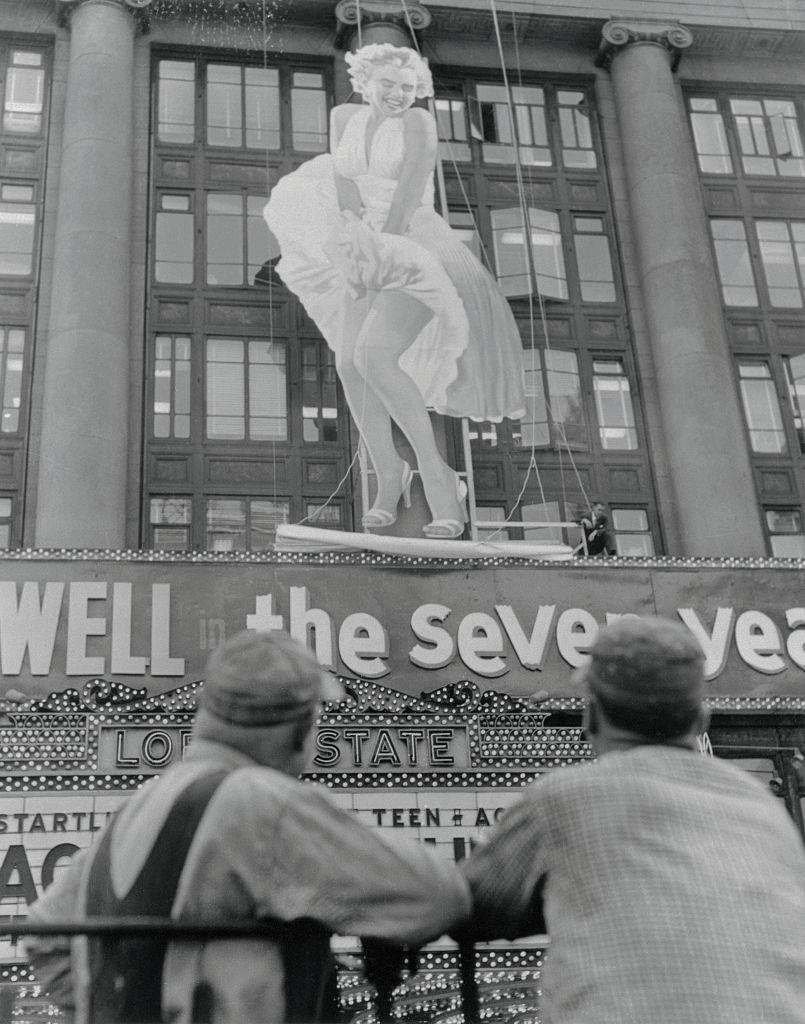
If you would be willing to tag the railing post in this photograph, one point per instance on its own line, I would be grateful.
(470, 1006)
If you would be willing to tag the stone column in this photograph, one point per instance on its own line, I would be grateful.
(84, 446)
(714, 496)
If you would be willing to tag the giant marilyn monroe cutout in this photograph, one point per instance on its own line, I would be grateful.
(415, 321)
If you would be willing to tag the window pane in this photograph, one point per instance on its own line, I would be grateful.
(176, 101)
(761, 408)
(24, 94)
(224, 105)
(170, 521)
(328, 516)
(541, 513)
(596, 279)
(532, 430)
(574, 126)
(613, 406)
(494, 120)
(710, 136)
(732, 259)
(225, 241)
(226, 400)
(632, 536)
(785, 533)
(265, 516)
(309, 113)
(769, 136)
(513, 271)
(262, 108)
(172, 387)
(777, 254)
(268, 403)
(258, 240)
(451, 122)
(492, 514)
(566, 409)
(17, 222)
(171, 511)
(795, 372)
(463, 223)
(174, 246)
(319, 393)
(226, 524)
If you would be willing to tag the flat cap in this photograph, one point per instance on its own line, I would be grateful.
(645, 663)
(257, 679)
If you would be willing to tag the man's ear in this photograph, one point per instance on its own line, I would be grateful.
(702, 719)
(589, 718)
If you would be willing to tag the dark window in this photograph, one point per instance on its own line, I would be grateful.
(247, 427)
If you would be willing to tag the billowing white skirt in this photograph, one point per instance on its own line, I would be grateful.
(467, 361)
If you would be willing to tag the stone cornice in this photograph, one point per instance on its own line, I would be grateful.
(618, 33)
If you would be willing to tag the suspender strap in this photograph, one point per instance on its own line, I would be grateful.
(127, 971)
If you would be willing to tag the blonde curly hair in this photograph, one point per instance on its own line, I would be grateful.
(364, 62)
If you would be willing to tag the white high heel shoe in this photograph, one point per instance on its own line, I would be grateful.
(378, 518)
(450, 529)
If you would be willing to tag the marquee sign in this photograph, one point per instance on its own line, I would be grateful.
(151, 623)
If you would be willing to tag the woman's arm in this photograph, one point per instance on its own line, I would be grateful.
(420, 145)
(349, 197)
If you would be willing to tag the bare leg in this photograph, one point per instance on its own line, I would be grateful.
(390, 327)
(369, 413)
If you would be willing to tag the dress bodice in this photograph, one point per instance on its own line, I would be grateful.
(375, 174)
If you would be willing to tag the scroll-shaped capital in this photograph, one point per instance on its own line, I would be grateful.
(138, 7)
(619, 33)
(410, 14)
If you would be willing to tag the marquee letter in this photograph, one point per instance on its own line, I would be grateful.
(16, 860)
(795, 644)
(28, 625)
(758, 642)
(162, 664)
(315, 620)
(575, 632)
(362, 643)
(715, 645)
(529, 650)
(122, 660)
(480, 645)
(80, 626)
(443, 650)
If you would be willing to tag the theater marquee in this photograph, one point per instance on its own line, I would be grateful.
(459, 677)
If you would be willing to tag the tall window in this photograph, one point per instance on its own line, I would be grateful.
(545, 231)
(246, 426)
(765, 131)
(749, 146)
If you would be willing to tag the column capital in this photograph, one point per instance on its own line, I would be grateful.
(400, 18)
(618, 33)
(139, 8)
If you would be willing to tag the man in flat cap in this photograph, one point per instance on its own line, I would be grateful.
(672, 884)
(231, 834)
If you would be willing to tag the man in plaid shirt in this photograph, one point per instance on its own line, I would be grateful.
(672, 884)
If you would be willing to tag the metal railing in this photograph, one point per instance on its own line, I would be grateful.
(379, 982)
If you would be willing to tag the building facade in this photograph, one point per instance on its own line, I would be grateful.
(167, 402)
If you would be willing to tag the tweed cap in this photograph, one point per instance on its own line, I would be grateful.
(257, 679)
(645, 664)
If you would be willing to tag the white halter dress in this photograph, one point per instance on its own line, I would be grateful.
(467, 361)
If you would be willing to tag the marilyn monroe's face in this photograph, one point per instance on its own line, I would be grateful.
(391, 90)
